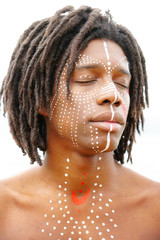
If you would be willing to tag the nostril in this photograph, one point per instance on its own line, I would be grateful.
(109, 97)
(117, 103)
(106, 101)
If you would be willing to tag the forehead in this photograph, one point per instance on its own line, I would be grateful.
(96, 49)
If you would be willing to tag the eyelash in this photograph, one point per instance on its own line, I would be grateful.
(87, 79)
(86, 82)
(124, 86)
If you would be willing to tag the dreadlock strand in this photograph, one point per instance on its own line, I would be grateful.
(24, 44)
(16, 134)
(56, 18)
(87, 27)
(71, 20)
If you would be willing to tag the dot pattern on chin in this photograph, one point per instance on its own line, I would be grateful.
(77, 100)
(67, 221)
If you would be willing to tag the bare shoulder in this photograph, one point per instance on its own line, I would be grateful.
(6, 200)
(151, 201)
(148, 187)
(9, 192)
(6, 196)
(17, 186)
(147, 192)
(15, 195)
(152, 193)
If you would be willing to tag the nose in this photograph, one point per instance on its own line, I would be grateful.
(109, 94)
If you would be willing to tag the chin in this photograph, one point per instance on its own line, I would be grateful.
(86, 148)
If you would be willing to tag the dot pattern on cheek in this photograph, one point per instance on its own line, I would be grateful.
(78, 99)
(65, 220)
(73, 119)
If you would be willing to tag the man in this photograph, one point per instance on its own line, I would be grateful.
(76, 89)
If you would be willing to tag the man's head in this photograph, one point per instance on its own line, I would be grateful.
(38, 63)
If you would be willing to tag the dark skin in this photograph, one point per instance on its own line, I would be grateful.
(25, 198)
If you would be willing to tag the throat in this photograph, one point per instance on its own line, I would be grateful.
(78, 182)
(78, 178)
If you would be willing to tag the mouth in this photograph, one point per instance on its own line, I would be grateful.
(107, 126)
(108, 122)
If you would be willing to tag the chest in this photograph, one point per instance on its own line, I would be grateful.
(98, 220)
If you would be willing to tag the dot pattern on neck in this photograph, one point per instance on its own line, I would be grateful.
(71, 108)
(64, 220)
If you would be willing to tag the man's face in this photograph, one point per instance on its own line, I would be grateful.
(93, 118)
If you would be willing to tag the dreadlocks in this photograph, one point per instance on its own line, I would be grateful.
(38, 60)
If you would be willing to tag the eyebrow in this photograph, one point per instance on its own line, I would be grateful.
(92, 66)
(95, 66)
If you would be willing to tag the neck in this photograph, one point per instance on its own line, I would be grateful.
(79, 172)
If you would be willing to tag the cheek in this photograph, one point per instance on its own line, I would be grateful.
(125, 104)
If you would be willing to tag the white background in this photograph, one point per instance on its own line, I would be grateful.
(142, 18)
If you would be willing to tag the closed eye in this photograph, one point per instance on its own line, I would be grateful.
(89, 81)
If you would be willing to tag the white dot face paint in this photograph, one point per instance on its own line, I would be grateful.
(94, 82)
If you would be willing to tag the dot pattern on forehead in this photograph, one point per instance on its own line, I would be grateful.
(65, 221)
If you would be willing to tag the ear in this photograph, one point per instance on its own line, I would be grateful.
(43, 112)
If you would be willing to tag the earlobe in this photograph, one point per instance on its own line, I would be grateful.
(43, 112)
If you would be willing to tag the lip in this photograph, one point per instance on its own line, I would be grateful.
(103, 121)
